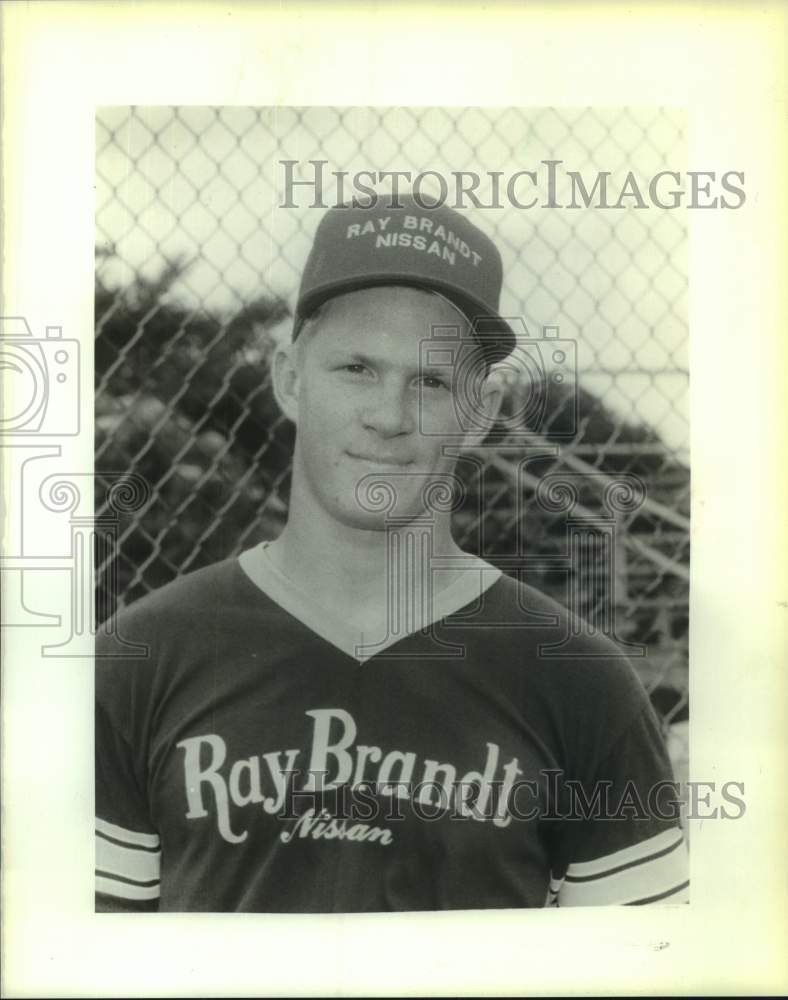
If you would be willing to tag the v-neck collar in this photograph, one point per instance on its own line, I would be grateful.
(360, 644)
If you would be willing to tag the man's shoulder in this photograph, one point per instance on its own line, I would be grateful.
(523, 606)
(530, 630)
(196, 596)
(521, 599)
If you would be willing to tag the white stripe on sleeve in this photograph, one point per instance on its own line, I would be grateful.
(132, 837)
(128, 862)
(656, 870)
(623, 857)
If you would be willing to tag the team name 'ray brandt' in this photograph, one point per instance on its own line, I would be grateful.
(335, 759)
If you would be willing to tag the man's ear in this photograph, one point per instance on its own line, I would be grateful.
(485, 412)
(285, 380)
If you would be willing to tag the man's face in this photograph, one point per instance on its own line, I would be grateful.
(364, 399)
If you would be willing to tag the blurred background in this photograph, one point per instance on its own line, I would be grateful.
(196, 274)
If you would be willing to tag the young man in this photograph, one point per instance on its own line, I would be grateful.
(359, 715)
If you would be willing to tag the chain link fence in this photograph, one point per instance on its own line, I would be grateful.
(197, 268)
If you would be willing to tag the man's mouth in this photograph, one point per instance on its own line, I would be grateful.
(381, 459)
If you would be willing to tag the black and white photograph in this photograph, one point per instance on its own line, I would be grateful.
(393, 497)
(399, 619)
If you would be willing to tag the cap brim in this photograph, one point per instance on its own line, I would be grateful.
(493, 333)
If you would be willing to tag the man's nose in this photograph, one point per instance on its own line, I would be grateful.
(389, 411)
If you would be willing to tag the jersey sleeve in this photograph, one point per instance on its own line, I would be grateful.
(622, 843)
(127, 845)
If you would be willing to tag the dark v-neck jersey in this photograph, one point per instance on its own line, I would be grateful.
(246, 762)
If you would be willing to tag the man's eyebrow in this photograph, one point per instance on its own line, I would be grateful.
(358, 357)
(340, 354)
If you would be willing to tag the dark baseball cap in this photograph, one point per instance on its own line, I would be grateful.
(434, 248)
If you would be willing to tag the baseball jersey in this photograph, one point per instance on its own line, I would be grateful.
(253, 754)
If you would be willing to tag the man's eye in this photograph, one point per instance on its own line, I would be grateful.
(434, 382)
(354, 369)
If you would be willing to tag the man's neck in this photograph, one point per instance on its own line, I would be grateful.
(358, 569)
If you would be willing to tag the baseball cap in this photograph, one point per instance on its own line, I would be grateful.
(434, 248)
